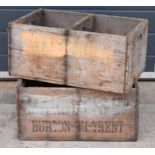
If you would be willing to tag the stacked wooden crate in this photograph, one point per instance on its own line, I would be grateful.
(77, 75)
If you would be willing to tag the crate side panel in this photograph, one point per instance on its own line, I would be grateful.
(76, 114)
(108, 116)
(62, 19)
(114, 24)
(137, 47)
(48, 113)
(96, 61)
(37, 52)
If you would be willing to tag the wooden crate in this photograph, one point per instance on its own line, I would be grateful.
(77, 49)
(110, 57)
(37, 45)
(51, 112)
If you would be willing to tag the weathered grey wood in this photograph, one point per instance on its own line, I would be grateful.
(85, 24)
(136, 53)
(86, 50)
(61, 19)
(8, 125)
(103, 59)
(114, 24)
(96, 61)
(65, 113)
(37, 52)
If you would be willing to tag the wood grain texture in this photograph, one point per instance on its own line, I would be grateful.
(61, 113)
(84, 50)
(37, 45)
(136, 53)
(38, 53)
(61, 19)
(109, 57)
(85, 24)
(114, 24)
(96, 61)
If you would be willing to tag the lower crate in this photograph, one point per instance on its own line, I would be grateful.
(52, 112)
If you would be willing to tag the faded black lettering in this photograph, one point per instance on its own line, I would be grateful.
(85, 126)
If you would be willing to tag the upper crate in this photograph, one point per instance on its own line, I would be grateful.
(84, 50)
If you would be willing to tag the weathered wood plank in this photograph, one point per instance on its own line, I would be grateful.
(85, 24)
(61, 19)
(96, 61)
(61, 113)
(136, 53)
(114, 24)
(38, 53)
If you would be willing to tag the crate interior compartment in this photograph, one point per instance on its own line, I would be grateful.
(33, 83)
(52, 18)
(108, 24)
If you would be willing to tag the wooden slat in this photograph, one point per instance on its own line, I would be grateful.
(136, 53)
(62, 19)
(4, 75)
(150, 15)
(11, 14)
(150, 47)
